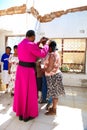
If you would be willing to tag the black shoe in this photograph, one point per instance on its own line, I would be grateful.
(43, 101)
(12, 94)
(20, 118)
(27, 119)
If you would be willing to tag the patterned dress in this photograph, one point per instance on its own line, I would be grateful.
(13, 60)
(53, 75)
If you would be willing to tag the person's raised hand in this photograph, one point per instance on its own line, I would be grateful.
(48, 42)
(43, 40)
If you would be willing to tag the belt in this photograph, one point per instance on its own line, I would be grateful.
(27, 64)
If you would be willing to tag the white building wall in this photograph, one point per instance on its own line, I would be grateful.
(70, 25)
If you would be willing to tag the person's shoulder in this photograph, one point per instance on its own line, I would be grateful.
(57, 55)
(23, 41)
(32, 43)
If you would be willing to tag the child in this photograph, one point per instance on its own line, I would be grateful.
(39, 78)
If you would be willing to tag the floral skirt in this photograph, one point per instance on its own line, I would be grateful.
(55, 85)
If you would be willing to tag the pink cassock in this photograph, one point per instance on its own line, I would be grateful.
(25, 101)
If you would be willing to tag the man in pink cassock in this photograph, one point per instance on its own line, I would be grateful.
(25, 103)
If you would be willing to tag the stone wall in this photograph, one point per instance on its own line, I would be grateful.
(13, 10)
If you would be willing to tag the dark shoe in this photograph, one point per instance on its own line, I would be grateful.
(42, 102)
(12, 94)
(27, 119)
(20, 118)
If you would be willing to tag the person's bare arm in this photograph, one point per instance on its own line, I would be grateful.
(9, 67)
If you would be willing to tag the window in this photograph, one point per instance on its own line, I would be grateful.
(73, 54)
(13, 40)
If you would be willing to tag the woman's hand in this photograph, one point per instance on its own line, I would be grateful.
(48, 42)
(43, 40)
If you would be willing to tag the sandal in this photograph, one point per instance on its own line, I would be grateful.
(52, 111)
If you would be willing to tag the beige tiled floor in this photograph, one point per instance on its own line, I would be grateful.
(71, 113)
